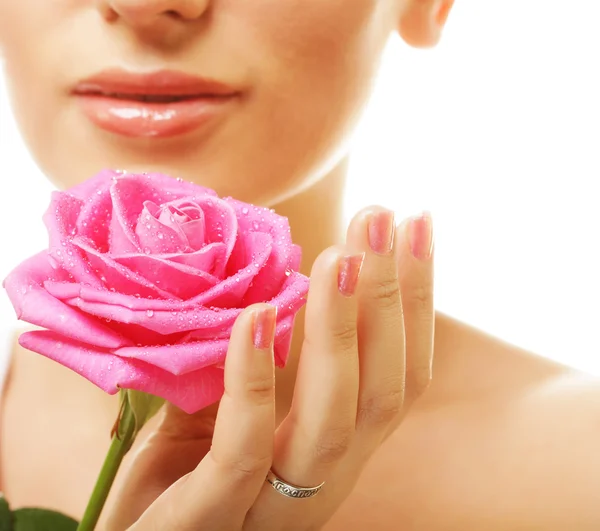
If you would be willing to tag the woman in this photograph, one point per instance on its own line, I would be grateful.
(501, 440)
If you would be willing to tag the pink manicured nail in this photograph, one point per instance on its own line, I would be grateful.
(420, 236)
(443, 12)
(263, 332)
(381, 232)
(348, 272)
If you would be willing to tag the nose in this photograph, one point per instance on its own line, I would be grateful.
(145, 12)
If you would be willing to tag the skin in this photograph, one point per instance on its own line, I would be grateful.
(502, 439)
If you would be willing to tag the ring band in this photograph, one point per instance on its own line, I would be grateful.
(292, 491)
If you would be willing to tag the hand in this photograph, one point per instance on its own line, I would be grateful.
(367, 354)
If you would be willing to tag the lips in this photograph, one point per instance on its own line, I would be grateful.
(159, 104)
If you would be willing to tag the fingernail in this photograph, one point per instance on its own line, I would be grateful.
(348, 272)
(263, 330)
(381, 232)
(443, 12)
(420, 236)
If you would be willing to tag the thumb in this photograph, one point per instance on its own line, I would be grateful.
(170, 451)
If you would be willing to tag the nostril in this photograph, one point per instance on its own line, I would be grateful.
(173, 14)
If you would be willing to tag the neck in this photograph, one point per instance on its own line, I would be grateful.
(317, 222)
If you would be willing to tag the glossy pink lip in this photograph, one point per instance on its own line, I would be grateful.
(159, 104)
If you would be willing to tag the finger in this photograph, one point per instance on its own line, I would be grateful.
(171, 451)
(415, 242)
(320, 426)
(381, 330)
(219, 492)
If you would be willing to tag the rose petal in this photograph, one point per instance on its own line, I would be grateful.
(221, 224)
(155, 236)
(194, 231)
(195, 227)
(206, 323)
(284, 256)
(94, 219)
(230, 292)
(176, 188)
(189, 355)
(180, 280)
(101, 181)
(118, 277)
(214, 324)
(67, 290)
(181, 358)
(226, 294)
(60, 219)
(191, 210)
(211, 258)
(191, 392)
(128, 196)
(130, 191)
(35, 305)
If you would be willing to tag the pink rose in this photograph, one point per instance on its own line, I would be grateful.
(143, 279)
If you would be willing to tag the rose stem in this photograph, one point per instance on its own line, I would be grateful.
(121, 443)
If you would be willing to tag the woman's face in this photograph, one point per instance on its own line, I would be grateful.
(293, 77)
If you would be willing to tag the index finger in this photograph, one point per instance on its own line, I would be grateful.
(242, 446)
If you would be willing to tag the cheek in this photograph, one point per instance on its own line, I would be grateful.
(29, 35)
(326, 46)
(317, 64)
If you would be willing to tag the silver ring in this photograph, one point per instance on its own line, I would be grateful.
(292, 491)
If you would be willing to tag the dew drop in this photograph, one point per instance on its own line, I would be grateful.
(245, 211)
(150, 313)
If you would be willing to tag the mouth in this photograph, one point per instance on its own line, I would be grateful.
(160, 104)
(146, 98)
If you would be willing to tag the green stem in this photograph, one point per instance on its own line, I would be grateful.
(120, 445)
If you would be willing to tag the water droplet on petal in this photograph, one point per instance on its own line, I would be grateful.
(150, 313)
(245, 211)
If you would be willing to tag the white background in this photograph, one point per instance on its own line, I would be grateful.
(497, 132)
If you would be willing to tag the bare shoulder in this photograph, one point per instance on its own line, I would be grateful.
(504, 439)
